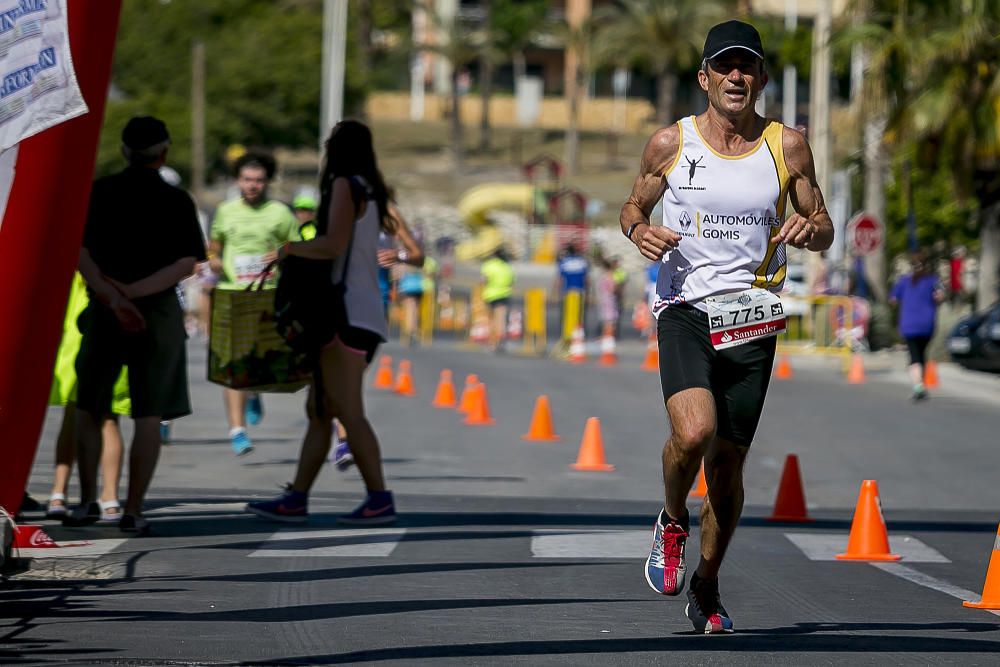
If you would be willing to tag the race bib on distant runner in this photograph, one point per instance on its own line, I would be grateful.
(741, 317)
(248, 267)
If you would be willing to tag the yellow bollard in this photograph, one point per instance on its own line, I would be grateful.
(534, 321)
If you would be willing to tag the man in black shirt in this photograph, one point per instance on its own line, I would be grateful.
(142, 238)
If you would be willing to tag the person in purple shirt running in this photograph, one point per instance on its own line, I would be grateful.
(917, 294)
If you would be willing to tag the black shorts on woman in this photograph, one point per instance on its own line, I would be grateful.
(737, 377)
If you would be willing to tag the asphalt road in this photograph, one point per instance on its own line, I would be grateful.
(504, 555)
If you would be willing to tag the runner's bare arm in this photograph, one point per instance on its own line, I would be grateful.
(810, 226)
(660, 152)
(414, 254)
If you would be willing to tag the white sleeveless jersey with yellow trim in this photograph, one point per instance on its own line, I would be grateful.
(727, 210)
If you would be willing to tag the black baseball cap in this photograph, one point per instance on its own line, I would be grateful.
(732, 35)
(141, 132)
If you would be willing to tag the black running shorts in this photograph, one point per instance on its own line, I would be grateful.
(737, 376)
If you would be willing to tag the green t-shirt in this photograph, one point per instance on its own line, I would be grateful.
(246, 234)
(499, 279)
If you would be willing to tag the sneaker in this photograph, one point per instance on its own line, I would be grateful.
(377, 510)
(82, 515)
(290, 507)
(241, 443)
(665, 569)
(130, 523)
(919, 392)
(704, 608)
(255, 409)
(164, 433)
(342, 457)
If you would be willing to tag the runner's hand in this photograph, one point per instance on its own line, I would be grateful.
(655, 241)
(797, 231)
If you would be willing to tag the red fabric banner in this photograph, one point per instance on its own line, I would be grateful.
(39, 245)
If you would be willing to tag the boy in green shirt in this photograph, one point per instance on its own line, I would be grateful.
(498, 286)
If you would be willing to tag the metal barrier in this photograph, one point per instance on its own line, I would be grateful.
(822, 325)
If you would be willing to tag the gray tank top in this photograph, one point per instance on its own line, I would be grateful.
(362, 297)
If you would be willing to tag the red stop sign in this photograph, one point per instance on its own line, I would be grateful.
(865, 234)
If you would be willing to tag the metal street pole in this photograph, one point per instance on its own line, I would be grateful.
(334, 52)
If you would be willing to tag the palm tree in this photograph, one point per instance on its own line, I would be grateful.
(663, 36)
(460, 47)
(941, 95)
(954, 109)
(579, 40)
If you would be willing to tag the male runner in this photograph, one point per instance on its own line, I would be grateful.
(723, 177)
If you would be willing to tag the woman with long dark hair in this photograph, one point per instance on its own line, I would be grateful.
(353, 210)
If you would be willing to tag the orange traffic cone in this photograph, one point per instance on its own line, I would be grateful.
(541, 423)
(383, 378)
(790, 504)
(931, 380)
(857, 373)
(465, 402)
(609, 353)
(479, 415)
(869, 539)
(577, 347)
(991, 589)
(591, 455)
(651, 364)
(444, 397)
(700, 489)
(784, 369)
(404, 380)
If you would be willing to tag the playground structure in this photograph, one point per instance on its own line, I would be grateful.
(553, 214)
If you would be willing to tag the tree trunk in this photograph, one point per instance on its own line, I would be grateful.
(457, 149)
(666, 86)
(485, 79)
(989, 256)
(520, 67)
(875, 166)
(572, 129)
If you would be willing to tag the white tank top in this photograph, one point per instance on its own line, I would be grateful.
(362, 297)
(726, 209)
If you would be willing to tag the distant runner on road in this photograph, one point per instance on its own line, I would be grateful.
(723, 177)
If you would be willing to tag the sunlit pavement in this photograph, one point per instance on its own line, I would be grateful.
(504, 554)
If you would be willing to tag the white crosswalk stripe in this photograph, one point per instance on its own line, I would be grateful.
(590, 543)
(826, 546)
(365, 542)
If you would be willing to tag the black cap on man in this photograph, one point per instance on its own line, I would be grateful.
(732, 35)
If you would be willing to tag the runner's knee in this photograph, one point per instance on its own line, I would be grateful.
(693, 436)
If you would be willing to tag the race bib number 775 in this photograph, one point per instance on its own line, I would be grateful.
(739, 318)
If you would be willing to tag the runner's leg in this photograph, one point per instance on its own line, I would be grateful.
(65, 452)
(692, 428)
(720, 512)
(236, 406)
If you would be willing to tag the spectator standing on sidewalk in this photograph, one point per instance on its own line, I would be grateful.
(246, 234)
(917, 294)
(141, 239)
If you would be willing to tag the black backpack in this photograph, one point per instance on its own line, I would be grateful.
(309, 307)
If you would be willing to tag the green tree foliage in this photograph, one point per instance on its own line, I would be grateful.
(662, 37)
(263, 60)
